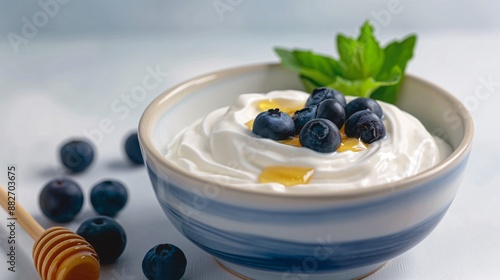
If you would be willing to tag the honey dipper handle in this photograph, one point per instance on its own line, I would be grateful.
(27, 222)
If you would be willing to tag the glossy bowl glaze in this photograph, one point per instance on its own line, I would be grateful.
(341, 234)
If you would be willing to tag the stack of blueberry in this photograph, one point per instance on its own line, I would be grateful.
(62, 199)
(318, 124)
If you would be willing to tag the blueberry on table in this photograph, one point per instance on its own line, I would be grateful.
(61, 200)
(106, 236)
(324, 93)
(108, 197)
(274, 124)
(302, 116)
(164, 261)
(133, 149)
(333, 111)
(365, 125)
(77, 155)
(320, 135)
(363, 103)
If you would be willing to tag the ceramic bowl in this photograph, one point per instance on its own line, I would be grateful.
(325, 235)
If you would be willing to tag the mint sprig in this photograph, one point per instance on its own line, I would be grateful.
(364, 68)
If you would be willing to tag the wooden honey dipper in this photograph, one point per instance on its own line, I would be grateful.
(58, 253)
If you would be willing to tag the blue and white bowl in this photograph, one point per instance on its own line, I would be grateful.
(325, 235)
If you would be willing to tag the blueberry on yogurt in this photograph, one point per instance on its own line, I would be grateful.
(320, 135)
(363, 103)
(302, 116)
(366, 126)
(274, 124)
(323, 93)
(332, 110)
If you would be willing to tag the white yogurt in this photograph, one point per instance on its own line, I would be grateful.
(221, 148)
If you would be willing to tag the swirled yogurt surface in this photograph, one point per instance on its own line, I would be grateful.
(220, 147)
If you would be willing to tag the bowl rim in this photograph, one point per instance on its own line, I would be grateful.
(150, 118)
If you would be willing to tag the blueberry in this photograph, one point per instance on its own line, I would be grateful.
(133, 149)
(106, 236)
(108, 197)
(164, 261)
(332, 110)
(323, 93)
(302, 116)
(365, 125)
(274, 124)
(363, 103)
(77, 155)
(61, 200)
(320, 135)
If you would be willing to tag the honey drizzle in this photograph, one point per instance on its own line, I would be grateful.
(249, 124)
(286, 175)
(278, 103)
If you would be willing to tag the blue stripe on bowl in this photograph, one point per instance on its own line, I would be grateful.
(264, 253)
(246, 214)
(277, 255)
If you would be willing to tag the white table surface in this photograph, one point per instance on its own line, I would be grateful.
(58, 88)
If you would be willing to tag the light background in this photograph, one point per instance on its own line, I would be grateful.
(62, 80)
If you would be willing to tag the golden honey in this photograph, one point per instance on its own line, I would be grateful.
(286, 175)
(347, 144)
(352, 144)
(278, 103)
(249, 124)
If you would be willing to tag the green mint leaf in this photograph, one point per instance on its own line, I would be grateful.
(397, 55)
(361, 58)
(363, 69)
(387, 94)
(365, 87)
(317, 68)
(349, 62)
